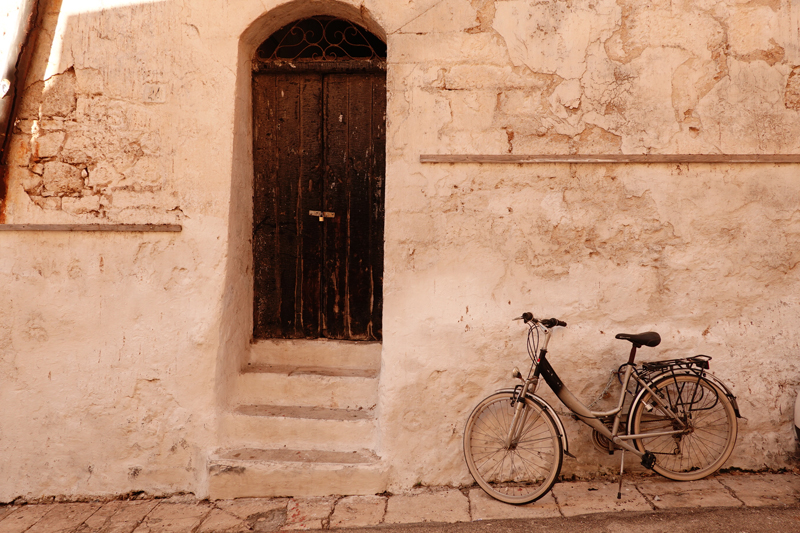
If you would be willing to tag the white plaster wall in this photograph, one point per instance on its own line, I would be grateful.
(117, 351)
(704, 254)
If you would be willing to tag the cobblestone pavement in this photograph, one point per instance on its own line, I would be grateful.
(184, 514)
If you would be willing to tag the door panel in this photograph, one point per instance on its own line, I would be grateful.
(287, 255)
(319, 146)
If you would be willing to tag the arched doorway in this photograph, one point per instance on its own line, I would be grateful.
(319, 136)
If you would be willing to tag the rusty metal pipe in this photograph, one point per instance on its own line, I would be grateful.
(19, 46)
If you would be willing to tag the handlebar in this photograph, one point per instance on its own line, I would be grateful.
(528, 317)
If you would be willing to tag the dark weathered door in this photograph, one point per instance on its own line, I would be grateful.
(319, 153)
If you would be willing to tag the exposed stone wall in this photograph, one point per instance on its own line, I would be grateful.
(109, 343)
(116, 351)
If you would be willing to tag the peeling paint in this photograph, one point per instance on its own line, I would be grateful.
(117, 350)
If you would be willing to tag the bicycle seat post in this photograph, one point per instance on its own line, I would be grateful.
(633, 353)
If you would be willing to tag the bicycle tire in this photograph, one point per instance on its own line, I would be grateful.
(526, 471)
(711, 419)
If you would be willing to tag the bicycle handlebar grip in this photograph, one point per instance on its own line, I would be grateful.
(527, 317)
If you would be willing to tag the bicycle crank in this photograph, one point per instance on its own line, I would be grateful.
(648, 460)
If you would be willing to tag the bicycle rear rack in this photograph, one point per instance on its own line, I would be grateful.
(695, 364)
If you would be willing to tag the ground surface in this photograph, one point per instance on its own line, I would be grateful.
(733, 502)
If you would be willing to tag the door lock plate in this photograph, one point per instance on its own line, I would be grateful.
(322, 215)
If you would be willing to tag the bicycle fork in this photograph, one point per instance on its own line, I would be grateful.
(519, 420)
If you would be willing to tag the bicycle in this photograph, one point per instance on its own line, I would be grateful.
(681, 421)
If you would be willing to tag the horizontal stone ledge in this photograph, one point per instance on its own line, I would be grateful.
(140, 228)
(611, 158)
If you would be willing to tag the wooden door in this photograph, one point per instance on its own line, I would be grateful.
(319, 155)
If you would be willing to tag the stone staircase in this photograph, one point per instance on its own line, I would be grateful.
(302, 423)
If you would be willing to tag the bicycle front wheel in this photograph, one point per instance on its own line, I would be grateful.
(706, 417)
(525, 469)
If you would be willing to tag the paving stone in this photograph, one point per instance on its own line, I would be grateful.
(245, 515)
(587, 497)
(174, 518)
(358, 511)
(668, 494)
(428, 506)
(7, 510)
(220, 521)
(64, 517)
(24, 517)
(757, 490)
(117, 517)
(484, 507)
(308, 513)
(248, 507)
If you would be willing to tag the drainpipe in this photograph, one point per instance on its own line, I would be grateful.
(16, 43)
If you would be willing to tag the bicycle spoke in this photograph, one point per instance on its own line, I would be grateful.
(526, 469)
(708, 423)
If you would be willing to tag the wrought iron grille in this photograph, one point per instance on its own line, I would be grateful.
(321, 39)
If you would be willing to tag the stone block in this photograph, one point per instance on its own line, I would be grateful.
(428, 506)
(52, 203)
(117, 517)
(358, 511)
(667, 494)
(174, 518)
(484, 507)
(58, 97)
(30, 182)
(49, 144)
(64, 518)
(79, 150)
(308, 513)
(587, 497)
(7, 510)
(246, 508)
(81, 205)
(220, 521)
(60, 179)
(24, 517)
(757, 490)
(103, 175)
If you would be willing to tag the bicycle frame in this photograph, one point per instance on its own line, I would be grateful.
(581, 411)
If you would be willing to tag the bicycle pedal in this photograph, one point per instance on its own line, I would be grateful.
(648, 460)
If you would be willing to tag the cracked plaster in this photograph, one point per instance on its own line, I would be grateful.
(134, 120)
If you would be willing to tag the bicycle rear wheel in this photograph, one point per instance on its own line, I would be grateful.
(525, 470)
(705, 412)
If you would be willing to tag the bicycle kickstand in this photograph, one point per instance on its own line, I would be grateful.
(621, 468)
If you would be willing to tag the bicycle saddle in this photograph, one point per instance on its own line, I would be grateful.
(651, 338)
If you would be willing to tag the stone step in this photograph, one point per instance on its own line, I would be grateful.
(299, 427)
(259, 472)
(315, 353)
(287, 385)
